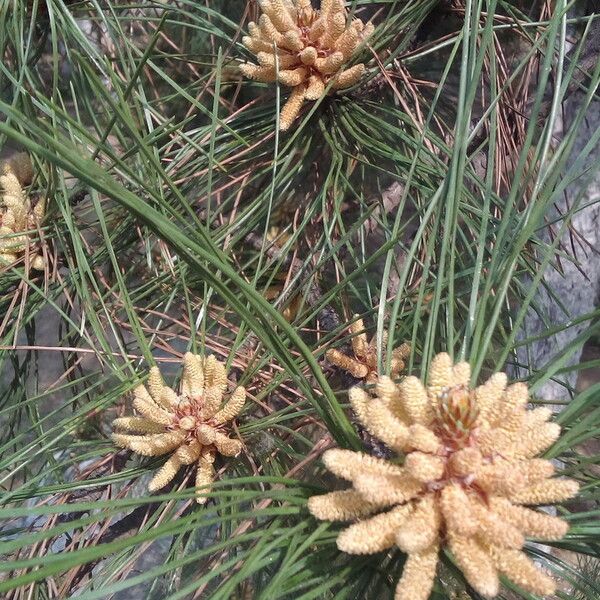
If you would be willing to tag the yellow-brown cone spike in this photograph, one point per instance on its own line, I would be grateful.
(190, 426)
(362, 363)
(305, 49)
(470, 480)
(18, 217)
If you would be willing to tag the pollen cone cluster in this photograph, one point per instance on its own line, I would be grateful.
(18, 218)
(190, 425)
(468, 478)
(363, 363)
(304, 49)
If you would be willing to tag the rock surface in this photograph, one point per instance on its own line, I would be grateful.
(577, 283)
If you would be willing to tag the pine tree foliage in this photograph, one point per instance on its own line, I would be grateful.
(179, 218)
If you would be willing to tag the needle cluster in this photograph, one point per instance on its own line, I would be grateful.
(191, 425)
(468, 481)
(18, 218)
(304, 49)
(362, 364)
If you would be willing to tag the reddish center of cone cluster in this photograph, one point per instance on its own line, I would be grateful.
(456, 415)
(455, 423)
(186, 415)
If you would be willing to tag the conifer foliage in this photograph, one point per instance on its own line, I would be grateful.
(268, 270)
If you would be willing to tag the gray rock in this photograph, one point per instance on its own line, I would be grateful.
(576, 283)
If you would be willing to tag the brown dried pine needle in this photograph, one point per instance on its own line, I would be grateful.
(468, 477)
(190, 425)
(304, 49)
